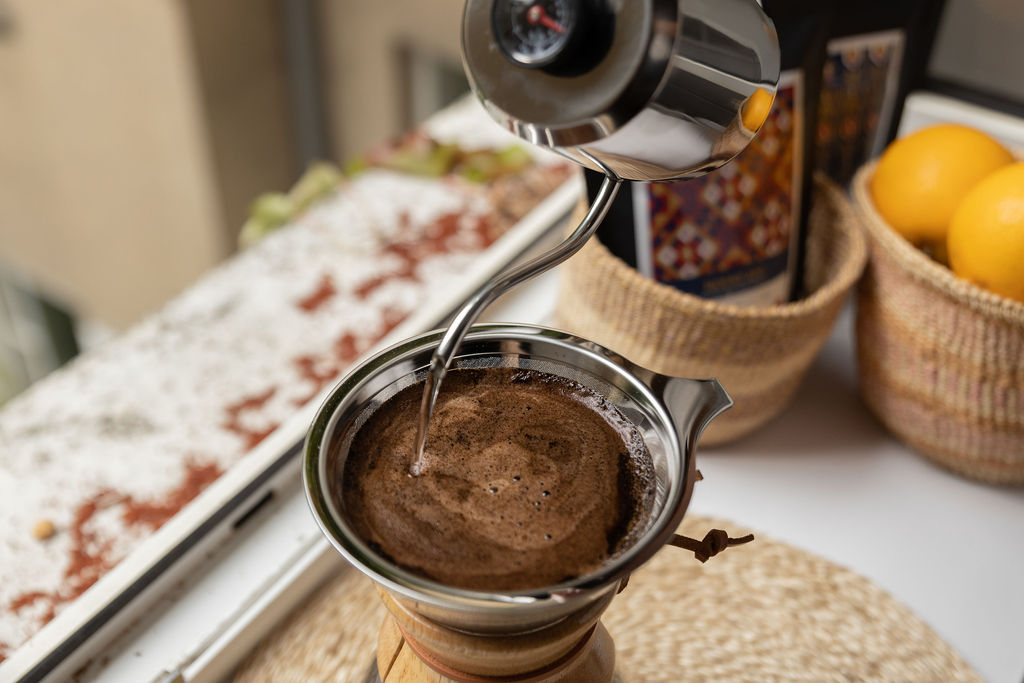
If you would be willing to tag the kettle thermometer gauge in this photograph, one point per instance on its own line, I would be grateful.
(534, 33)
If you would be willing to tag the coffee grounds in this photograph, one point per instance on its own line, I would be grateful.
(530, 480)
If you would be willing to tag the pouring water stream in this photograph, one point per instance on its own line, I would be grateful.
(490, 291)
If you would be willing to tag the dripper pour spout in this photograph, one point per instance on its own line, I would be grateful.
(701, 399)
(692, 403)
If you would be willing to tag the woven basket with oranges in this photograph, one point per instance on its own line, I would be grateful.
(940, 322)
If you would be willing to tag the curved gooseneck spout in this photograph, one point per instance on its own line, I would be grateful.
(490, 291)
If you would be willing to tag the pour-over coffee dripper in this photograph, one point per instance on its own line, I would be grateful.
(639, 90)
(550, 633)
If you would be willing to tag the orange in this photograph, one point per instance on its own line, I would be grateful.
(986, 235)
(921, 178)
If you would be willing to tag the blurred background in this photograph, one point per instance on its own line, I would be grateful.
(135, 135)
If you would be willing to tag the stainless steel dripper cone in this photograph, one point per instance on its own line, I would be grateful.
(670, 414)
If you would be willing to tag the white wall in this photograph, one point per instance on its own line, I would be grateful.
(981, 44)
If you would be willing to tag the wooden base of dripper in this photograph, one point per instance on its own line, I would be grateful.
(411, 648)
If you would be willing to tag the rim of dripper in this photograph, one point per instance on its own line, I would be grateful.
(319, 440)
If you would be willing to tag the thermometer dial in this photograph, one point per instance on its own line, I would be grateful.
(535, 33)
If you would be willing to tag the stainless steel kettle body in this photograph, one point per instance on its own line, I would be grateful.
(638, 89)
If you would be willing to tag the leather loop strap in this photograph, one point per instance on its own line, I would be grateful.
(714, 542)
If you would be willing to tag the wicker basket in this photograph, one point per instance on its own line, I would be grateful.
(941, 360)
(759, 354)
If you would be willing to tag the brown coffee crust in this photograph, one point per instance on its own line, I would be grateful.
(530, 480)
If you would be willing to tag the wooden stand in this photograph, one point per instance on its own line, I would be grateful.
(577, 649)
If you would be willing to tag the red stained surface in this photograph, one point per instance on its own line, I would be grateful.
(316, 372)
(346, 347)
(434, 240)
(153, 514)
(26, 600)
(236, 412)
(90, 557)
(414, 245)
(320, 370)
(324, 292)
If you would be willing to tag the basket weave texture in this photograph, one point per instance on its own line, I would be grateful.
(758, 354)
(941, 361)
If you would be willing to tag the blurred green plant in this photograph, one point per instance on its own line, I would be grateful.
(416, 154)
(270, 211)
(423, 156)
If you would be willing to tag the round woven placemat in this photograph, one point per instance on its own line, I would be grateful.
(760, 612)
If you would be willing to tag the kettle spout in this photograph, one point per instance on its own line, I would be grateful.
(693, 403)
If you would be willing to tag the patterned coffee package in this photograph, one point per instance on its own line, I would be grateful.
(878, 52)
(734, 234)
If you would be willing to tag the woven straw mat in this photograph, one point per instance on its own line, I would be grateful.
(759, 354)
(760, 612)
(941, 360)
